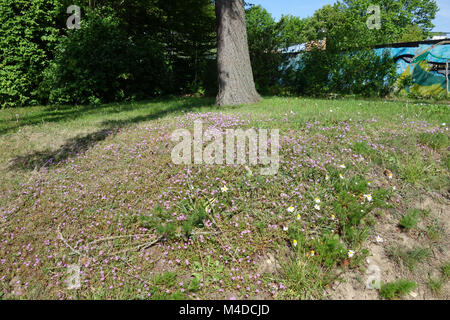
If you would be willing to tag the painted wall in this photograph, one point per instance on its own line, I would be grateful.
(427, 70)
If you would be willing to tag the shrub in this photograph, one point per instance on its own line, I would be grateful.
(411, 258)
(397, 289)
(410, 220)
(28, 33)
(446, 270)
(100, 63)
(361, 72)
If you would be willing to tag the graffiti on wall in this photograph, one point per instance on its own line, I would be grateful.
(424, 63)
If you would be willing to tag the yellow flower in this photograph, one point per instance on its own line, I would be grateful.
(317, 200)
(299, 217)
(333, 217)
(312, 253)
(294, 243)
(342, 166)
(369, 183)
(327, 177)
(341, 176)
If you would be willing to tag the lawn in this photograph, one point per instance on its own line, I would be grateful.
(362, 190)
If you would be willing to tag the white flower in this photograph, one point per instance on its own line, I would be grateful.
(341, 176)
(224, 189)
(342, 166)
(444, 124)
(294, 243)
(285, 228)
(368, 197)
(351, 253)
(379, 239)
(299, 217)
(327, 177)
(291, 209)
(317, 200)
(317, 207)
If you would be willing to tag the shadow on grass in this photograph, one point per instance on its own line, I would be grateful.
(80, 144)
(73, 146)
(55, 114)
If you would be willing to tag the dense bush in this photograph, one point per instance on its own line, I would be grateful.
(131, 50)
(361, 72)
(264, 38)
(28, 33)
(100, 63)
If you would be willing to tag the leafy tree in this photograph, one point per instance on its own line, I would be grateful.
(412, 33)
(265, 43)
(291, 30)
(344, 23)
(349, 65)
(28, 33)
(188, 33)
(101, 63)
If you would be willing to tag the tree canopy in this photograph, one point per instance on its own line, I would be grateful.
(166, 47)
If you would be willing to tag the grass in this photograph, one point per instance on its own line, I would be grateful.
(96, 187)
(435, 284)
(412, 257)
(446, 270)
(397, 289)
(410, 219)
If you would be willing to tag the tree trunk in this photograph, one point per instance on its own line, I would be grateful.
(236, 83)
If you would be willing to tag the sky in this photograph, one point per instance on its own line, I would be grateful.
(306, 8)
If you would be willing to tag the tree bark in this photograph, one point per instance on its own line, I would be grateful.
(236, 83)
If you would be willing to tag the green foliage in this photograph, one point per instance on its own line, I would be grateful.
(344, 23)
(446, 270)
(362, 72)
(264, 41)
(411, 258)
(436, 141)
(397, 289)
(100, 63)
(330, 250)
(28, 33)
(435, 284)
(410, 219)
(187, 31)
(196, 214)
(349, 65)
(124, 51)
(412, 33)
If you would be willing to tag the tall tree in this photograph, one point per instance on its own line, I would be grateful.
(236, 83)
